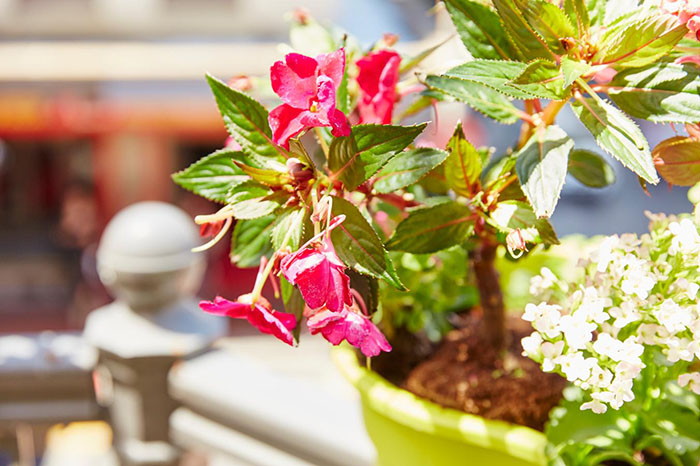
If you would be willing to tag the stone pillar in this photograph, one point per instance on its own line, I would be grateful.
(145, 260)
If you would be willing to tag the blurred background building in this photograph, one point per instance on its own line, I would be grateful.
(101, 100)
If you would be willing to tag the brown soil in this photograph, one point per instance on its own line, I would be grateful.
(465, 374)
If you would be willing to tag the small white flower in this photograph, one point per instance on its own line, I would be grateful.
(637, 281)
(548, 321)
(600, 378)
(630, 351)
(678, 349)
(691, 380)
(621, 391)
(672, 316)
(551, 351)
(648, 334)
(624, 314)
(686, 239)
(690, 290)
(595, 406)
(575, 367)
(541, 283)
(534, 311)
(627, 370)
(532, 345)
(607, 346)
(593, 307)
(577, 331)
(605, 253)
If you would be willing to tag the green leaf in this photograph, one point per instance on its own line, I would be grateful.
(541, 168)
(573, 69)
(407, 168)
(596, 11)
(496, 74)
(662, 93)
(288, 229)
(480, 29)
(522, 35)
(391, 276)
(434, 228)
(212, 176)
(677, 428)
(356, 242)
(511, 215)
(245, 119)
(577, 11)
(354, 159)
(481, 98)
(252, 200)
(367, 287)
(549, 21)
(463, 166)
(543, 79)
(590, 169)
(251, 240)
(573, 434)
(617, 135)
(297, 149)
(266, 176)
(637, 42)
(678, 160)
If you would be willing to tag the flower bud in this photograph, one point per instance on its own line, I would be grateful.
(241, 82)
(301, 16)
(299, 172)
(516, 243)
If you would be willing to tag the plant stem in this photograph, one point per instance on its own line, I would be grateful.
(494, 318)
(552, 110)
(321, 141)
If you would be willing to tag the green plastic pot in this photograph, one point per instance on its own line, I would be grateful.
(407, 430)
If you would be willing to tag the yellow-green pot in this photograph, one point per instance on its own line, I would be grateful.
(407, 430)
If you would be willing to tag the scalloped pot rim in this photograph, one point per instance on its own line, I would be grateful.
(405, 408)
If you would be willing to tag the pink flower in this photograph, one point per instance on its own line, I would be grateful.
(260, 315)
(320, 276)
(379, 73)
(688, 13)
(351, 326)
(307, 87)
(348, 325)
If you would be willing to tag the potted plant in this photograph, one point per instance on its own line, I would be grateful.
(335, 199)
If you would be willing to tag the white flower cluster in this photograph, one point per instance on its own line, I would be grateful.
(636, 297)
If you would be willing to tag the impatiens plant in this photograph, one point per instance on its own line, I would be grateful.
(329, 188)
(627, 333)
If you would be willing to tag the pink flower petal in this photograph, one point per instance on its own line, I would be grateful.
(260, 315)
(309, 270)
(319, 275)
(264, 320)
(295, 80)
(223, 307)
(357, 330)
(332, 65)
(285, 122)
(303, 66)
